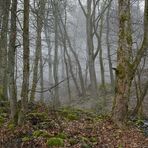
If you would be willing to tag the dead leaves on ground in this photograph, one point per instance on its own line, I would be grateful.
(84, 132)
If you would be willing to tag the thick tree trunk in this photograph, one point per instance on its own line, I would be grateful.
(3, 50)
(123, 71)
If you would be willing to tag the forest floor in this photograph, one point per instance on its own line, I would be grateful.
(69, 128)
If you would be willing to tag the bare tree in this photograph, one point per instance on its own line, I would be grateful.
(40, 21)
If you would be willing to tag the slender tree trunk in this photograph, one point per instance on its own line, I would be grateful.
(76, 58)
(101, 57)
(108, 47)
(69, 58)
(26, 53)
(41, 78)
(67, 74)
(11, 61)
(48, 41)
(137, 110)
(40, 18)
(72, 73)
(55, 68)
(91, 60)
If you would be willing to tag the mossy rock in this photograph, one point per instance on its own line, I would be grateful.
(69, 113)
(36, 118)
(51, 142)
(40, 133)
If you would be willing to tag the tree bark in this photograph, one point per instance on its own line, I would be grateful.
(126, 69)
(109, 49)
(123, 71)
(26, 54)
(3, 50)
(11, 61)
(55, 66)
(40, 19)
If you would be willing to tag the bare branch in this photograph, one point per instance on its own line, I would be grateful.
(82, 7)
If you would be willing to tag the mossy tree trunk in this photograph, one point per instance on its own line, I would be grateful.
(126, 68)
(123, 71)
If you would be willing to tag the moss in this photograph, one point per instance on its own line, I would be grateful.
(123, 17)
(55, 142)
(47, 124)
(1, 93)
(129, 38)
(84, 139)
(26, 139)
(72, 117)
(93, 139)
(36, 118)
(1, 121)
(120, 71)
(69, 113)
(40, 133)
(62, 135)
(73, 141)
(11, 125)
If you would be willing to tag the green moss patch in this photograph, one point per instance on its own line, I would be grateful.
(40, 133)
(55, 142)
(36, 118)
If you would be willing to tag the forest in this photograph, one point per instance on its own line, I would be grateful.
(74, 73)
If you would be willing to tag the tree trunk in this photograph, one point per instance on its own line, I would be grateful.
(48, 41)
(40, 18)
(26, 53)
(41, 78)
(11, 61)
(55, 67)
(91, 59)
(109, 49)
(123, 71)
(3, 50)
(101, 57)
